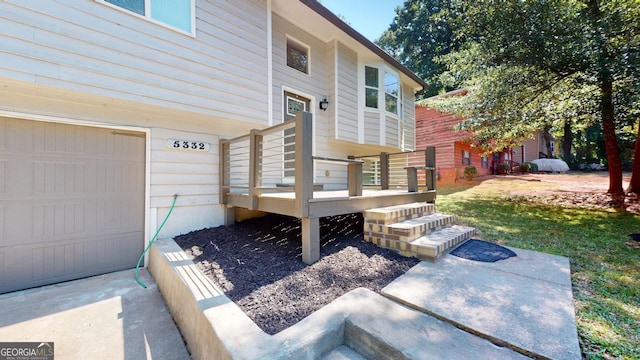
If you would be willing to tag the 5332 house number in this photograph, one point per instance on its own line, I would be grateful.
(188, 145)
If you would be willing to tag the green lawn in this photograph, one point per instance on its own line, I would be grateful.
(605, 272)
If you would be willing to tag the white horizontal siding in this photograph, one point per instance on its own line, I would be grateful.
(332, 93)
(392, 131)
(371, 128)
(191, 174)
(347, 94)
(93, 48)
(408, 118)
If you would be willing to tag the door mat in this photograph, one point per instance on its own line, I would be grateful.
(480, 250)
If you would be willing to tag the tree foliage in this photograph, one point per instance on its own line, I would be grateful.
(418, 34)
(535, 64)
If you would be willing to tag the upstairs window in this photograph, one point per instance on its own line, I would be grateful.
(175, 13)
(391, 91)
(297, 56)
(371, 87)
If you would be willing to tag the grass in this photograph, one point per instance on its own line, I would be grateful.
(605, 272)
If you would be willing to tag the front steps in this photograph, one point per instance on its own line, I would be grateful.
(414, 229)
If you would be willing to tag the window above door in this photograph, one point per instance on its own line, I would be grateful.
(297, 55)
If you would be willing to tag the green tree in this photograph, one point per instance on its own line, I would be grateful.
(418, 34)
(532, 64)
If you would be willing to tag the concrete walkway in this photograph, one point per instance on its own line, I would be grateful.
(524, 302)
(102, 317)
(453, 309)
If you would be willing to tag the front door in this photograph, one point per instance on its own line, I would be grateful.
(292, 105)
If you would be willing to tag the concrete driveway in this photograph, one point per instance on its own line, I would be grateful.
(102, 317)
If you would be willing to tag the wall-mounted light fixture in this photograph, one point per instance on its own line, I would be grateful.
(324, 104)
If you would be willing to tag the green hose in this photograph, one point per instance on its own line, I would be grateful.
(175, 197)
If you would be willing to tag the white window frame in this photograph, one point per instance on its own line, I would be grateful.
(484, 162)
(376, 88)
(300, 44)
(468, 159)
(397, 97)
(295, 100)
(147, 16)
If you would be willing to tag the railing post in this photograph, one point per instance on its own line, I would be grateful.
(354, 179)
(430, 163)
(304, 187)
(384, 171)
(225, 180)
(255, 168)
(303, 163)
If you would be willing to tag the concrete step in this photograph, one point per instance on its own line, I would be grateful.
(392, 214)
(342, 352)
(384, 329)
(433, 245)
(411, 229)
(524, 302)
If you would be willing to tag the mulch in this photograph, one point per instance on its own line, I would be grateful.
(258, 264)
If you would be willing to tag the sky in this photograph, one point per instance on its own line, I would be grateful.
(369, 17)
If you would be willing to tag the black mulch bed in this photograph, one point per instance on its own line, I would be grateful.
(258, 263)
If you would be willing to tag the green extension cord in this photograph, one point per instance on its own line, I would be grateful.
(175, 197)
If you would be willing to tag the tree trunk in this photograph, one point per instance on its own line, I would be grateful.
(567, 141)
(634, 186)
(606, 107)
(547, 142)
(610, 139)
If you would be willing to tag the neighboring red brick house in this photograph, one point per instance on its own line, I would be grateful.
(453, 154)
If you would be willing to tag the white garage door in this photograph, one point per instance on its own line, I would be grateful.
(71, 202)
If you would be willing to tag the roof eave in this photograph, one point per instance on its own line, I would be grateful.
(335, 20)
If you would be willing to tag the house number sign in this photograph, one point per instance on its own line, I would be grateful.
(188, 145)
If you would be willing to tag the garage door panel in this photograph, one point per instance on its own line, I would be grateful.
(73, 202)
(67, 260)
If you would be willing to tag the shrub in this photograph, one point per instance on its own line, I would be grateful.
(470, 172)
(533, 167)
(525, 167)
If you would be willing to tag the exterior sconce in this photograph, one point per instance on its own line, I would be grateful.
(324, 104)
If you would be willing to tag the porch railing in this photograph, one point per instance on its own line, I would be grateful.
(406, 169)
(263, 160)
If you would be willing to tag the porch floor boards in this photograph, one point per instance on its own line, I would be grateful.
(331, 202)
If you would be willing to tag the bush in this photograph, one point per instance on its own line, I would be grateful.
(532, 167)
(470, 172)
(525, 167)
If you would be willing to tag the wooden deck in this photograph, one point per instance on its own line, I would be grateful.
(330, 203)
(249, 162)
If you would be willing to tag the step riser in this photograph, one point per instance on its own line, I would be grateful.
(398, 228)
(398, 213)
(406, 234)
(436, 251)
(369, 345)
(429, 252)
